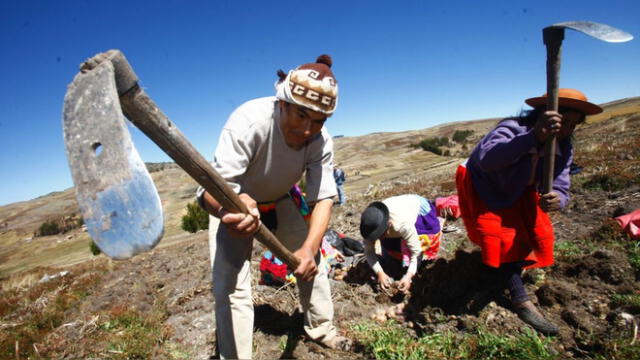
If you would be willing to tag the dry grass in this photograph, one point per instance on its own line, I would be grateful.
(20, 281)
(386, 158)
(30, 311)
(596, 155)
(617, 109)
(56, 250)
(20, 251)
(45, 320)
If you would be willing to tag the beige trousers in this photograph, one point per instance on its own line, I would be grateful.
(231, 264)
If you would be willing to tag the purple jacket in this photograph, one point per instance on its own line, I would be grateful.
(500, 165)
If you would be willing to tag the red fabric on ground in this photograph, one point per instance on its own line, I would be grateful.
(450, 203)
(521, 232)
(630, 223)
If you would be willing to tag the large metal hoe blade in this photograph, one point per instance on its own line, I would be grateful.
(553, 36)
(117, 198)
(599, 31)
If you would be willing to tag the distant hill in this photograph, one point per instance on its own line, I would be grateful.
(388, 156)
(20, 250)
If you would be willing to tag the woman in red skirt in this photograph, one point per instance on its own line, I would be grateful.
(499, 192)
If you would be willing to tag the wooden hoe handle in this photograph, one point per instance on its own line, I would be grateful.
(138, 107)
(553, 40)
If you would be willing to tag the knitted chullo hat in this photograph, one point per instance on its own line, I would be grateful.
(310, 85)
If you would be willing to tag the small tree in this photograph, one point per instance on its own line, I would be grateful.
(95, 250)
(196, 218)
(48, 228)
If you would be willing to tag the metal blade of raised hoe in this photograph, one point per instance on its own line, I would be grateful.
(116, 195)
(599, 31)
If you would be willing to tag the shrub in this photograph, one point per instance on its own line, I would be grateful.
(433, 144)
(95, 250)
(430, 148)
(48, 228)
(461, 135)
(155, 167)
(196, 218)
(59, 225)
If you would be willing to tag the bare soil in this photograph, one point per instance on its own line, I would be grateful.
(453, 293)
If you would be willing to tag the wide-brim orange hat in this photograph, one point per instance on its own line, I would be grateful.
(570, 98)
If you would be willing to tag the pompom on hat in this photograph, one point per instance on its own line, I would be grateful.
(310, 85)
(570, 98)
(374, 221)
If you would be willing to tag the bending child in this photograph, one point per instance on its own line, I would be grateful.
(409, 231)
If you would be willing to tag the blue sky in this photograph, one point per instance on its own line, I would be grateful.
(400, 64)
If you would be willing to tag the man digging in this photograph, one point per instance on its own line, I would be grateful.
(264, 148)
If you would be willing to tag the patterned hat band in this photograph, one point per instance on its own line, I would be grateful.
(303, 87)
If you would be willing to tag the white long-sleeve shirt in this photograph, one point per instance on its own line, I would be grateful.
(403, 212)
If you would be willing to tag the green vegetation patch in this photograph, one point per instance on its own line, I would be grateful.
(130, 334)
(630, 301)
(614, 181)
(391, 341)
(433, 144)
(95, 250)
(610, 235)
(49, 228)
(568, 250)
(59, 225)
(196, 218)
(460, 136)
